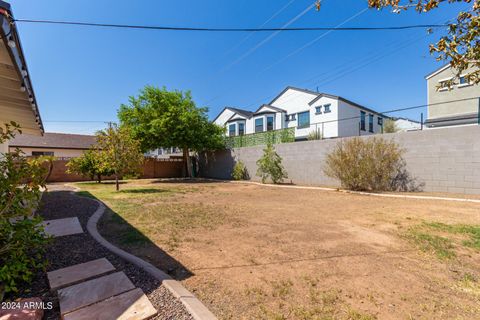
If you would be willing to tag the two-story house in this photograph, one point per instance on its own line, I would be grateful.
(306, 111)
(451, 106)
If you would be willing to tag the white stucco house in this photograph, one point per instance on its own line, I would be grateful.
(306, 111)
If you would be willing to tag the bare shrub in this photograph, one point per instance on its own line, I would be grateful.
(374, 164)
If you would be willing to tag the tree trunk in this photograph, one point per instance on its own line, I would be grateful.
(186, 161)
(99, 178)
(117, 185)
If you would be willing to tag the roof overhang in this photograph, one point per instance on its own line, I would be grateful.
(434, 73)
(17, 98)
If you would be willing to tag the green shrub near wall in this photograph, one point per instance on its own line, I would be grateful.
(262, 138)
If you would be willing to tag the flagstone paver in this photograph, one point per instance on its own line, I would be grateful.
(131, 305)
(62, 227)
(92, 291)
(79, 272)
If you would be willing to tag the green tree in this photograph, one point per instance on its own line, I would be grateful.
(161, 118)
(90, 164)
(270, 166)
(120, 151)
(21, 236)
(461, 46)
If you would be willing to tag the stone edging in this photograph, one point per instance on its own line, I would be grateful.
(194, 306)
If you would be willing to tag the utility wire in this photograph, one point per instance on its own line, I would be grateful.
(168, 28)
(262, 25)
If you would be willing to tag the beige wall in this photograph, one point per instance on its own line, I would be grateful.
(3, 147)
(67, 153)
(456, 93)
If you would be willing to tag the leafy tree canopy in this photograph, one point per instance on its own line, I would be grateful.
(120, 152)
(162, 118)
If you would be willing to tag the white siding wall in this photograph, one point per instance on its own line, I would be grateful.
(330, 128)
(348, 128)
(223, 118)
(295, 101)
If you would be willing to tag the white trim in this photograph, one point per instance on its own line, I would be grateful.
(443, 89)
(463, 85)
(445, 79)
(437, 71)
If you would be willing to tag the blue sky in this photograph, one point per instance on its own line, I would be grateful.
(84, 73)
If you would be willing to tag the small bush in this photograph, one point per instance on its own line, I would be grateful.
(373, 164)
(240, 171)
(270, 166)
(315, 135)
(22, 241)
(390, 126)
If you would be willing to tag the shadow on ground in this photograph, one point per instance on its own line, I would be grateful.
(121, 233)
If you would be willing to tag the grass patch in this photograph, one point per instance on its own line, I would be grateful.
(441, 239)
(139, 210)
(472, 232)
(440, 246)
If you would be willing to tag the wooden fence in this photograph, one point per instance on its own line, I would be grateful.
(152, 168)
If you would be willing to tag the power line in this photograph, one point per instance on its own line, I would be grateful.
(168, 28)
(262, 25)
(308, 44)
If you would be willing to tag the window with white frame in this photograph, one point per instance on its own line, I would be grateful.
(303, 119)
(270, 123)
(362, 120)
(326, 108)
(318, 110)
(241, 128)
(259, 125)
(231, 129)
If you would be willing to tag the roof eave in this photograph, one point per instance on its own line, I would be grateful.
(8, 27)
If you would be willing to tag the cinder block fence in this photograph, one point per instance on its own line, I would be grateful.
(445, 159)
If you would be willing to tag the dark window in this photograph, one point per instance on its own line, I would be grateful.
(304, 119)
(270, 123)
(231, 130)
(380, 121)
(463, 80)
(241, 129)
(370, 122)
(259, 125)
(42, 153)
(327, 108)
(318, 110)
(362, 120)
(293, 117)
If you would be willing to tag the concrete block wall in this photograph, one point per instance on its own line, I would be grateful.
(445, 159)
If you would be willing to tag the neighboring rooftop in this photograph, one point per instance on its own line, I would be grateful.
(54, 141)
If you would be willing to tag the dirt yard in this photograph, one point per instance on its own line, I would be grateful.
(254, 252)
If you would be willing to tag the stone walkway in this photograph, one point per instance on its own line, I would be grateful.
(62, 227)
(96, 287)
(90, 294)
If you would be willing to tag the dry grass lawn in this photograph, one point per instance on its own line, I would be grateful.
(253, 252)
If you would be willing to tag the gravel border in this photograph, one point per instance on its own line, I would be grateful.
(195, 307)
(69, 250)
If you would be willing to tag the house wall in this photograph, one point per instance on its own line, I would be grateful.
(330, 128)
(349, 128)
(406, 125)
(4, 147)
(223, 118)
(457, 92)
(61, 153)
(446, 160)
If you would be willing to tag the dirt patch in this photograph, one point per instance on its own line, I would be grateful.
(275, 253)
